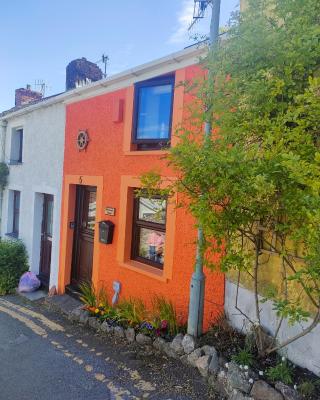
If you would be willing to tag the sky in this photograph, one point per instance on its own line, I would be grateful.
(38, 38)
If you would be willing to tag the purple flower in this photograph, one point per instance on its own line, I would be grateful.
(147, 325)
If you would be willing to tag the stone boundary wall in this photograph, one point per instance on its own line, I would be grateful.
(304, 352)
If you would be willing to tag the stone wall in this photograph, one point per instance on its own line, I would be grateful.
(304, 352)
(26, 95)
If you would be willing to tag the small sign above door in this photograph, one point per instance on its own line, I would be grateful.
(110, 211)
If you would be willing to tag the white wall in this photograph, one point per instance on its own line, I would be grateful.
(40, 172)
(304, 351)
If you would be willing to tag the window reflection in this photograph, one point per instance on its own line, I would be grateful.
(154, 112)
(152, 210)
(152, 245)
(91, 211)
(49, 218)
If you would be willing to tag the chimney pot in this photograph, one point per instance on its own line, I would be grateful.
(80, 72)
(26, 95)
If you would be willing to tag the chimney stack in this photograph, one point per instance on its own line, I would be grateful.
(80, 72)
(26, 95)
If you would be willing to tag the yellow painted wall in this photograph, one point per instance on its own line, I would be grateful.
(243, 5)
(271, 276)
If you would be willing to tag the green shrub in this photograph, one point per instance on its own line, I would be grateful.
(4, 172)
(132, 312)
(13, 263)
(102, 298)
(164, 311)
(306, 388)
(243, 357)
(281, 372)
(109, 314)
(88, 294)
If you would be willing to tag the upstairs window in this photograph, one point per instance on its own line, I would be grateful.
(149, 230)
(153, 103)
(16, 146)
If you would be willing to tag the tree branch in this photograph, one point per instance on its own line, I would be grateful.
(298, 336)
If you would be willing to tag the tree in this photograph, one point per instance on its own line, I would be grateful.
(255, 184)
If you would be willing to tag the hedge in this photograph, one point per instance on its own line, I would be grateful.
(13, 263)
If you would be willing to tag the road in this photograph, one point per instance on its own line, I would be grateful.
(44, 356)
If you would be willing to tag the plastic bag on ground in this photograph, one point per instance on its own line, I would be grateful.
(28, 283)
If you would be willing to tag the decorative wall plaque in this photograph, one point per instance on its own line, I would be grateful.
(82, 140)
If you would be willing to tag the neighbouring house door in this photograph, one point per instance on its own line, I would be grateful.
(46, 239)
(85, 217)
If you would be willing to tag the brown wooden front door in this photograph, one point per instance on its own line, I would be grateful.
(46, 239)
(82, 256)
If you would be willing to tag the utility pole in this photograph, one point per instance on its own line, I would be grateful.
(197, 286)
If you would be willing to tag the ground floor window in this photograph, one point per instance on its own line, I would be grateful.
(13, 213)
(16, 212)
(149, 230)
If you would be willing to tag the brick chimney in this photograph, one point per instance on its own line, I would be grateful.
(26, 96)
(80, 72)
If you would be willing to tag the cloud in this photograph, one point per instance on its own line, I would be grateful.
(180, 35)
(184, 18)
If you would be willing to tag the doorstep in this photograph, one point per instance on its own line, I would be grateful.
(33, 296)
(63, 303)
(73, 291)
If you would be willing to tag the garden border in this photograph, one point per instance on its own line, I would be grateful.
(234, 382)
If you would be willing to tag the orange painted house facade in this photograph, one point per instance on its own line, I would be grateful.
(152, 251)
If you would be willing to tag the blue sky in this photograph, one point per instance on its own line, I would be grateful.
(38, 38)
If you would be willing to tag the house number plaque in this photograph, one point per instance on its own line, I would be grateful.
(110, 211)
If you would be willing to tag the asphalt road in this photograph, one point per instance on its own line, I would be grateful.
(43, 356)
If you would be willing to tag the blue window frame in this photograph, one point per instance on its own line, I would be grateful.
(152, 116)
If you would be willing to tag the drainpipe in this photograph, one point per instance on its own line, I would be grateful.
(197, 286)
(3, 131)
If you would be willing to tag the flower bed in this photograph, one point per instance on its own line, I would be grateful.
(160, 321)
(223, 357)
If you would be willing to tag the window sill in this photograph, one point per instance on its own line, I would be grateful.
(12, 235)
(12, 162)
(145, 269)
(145, 152)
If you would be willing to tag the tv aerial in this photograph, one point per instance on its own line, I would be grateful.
(199, 10)
(41, 86)
(104, 60)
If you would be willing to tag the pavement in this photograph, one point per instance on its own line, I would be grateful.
(44, 356)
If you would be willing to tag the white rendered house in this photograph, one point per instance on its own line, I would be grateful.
(32, 145)
(32, 138)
